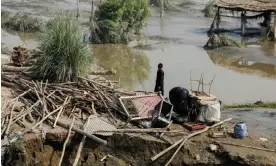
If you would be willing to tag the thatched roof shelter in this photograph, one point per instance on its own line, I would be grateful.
(249, 5)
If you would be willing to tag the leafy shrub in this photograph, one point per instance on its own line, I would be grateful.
(115, 19)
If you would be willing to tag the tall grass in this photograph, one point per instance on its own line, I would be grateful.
(64, 55)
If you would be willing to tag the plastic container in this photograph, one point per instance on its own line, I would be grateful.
(240, 130)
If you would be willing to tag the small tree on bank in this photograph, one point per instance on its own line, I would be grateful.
(115, 19)
(64, 55)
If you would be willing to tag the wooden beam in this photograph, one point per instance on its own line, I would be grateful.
(218, 18)
(183, 140)
(81, 144)
(93, 137)
(243, 21)
(66, 141)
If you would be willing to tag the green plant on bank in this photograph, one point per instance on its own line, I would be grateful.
(64, 55)
(269, 104)
(116, 19)
(20, 21)
(210, 10)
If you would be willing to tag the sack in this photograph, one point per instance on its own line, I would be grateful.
(210, 112)
(179, 98)
(178, 94)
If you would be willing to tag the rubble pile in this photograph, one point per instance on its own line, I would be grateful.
(43, 99)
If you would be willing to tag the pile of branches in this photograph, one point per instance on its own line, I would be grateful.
(45, 102)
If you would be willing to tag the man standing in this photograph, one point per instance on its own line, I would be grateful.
(159, 85)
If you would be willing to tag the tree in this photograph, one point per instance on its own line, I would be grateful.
(115, 19)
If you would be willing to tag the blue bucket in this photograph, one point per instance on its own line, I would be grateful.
(240, 130)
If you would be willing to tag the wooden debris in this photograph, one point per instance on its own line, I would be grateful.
(61, 111)
(7, 84)
(66, 141)
(154, 130)
(45, 103)
(217, 135)
(107, 72)
(10, 120)
(93, 137)
(8, 68)
(246, 146)
(43, 119)
(44, 100)
(183, 140)
(81, 144)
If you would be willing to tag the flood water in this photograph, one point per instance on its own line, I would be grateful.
(176, 41)
(259, 121)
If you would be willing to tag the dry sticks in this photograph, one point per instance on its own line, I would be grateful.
(251, 147)
(183, 140)
(51, 97)
(65, 143)
(46, 103)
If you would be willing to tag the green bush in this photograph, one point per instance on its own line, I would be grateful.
(115, 19)
(64, 55)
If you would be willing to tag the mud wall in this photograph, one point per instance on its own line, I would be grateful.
(122, 150)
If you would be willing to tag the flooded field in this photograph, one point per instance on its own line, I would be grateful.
(258, 120)
(246, 75)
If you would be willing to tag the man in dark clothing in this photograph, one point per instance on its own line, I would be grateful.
(159, 85)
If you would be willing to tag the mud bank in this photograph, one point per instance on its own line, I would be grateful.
(123, 150)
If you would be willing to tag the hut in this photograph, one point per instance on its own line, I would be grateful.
(261, 8)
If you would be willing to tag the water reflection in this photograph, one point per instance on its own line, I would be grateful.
(260, 69)
(131, 65)
(12, 38)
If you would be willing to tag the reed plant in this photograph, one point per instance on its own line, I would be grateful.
(63, 54)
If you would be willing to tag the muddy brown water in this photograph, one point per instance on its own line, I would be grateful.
(177, 42)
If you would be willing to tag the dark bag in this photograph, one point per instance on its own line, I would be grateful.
(179, 97)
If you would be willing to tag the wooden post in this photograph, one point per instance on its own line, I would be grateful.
(92, 11)
(213, 24)
(161, 8)
(78, 10)
(272, 24)
(218, 18)
(243, 21)
(66, 141)
(81, 143)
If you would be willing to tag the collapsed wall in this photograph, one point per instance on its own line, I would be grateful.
(122, 150)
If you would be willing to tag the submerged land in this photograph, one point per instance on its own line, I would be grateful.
(245, 80)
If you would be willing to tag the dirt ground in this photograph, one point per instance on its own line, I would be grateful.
(137, 149)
